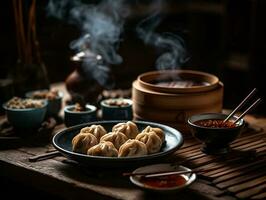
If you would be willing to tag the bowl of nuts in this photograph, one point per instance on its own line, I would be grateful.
(54, 98)
(25, 113)
(117, 109)
(79, 114)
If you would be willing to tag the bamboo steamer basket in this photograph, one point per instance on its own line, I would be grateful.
(173, 106)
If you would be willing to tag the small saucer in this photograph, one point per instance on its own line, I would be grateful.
(189, 178)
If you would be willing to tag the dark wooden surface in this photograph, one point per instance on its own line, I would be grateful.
(61, 178)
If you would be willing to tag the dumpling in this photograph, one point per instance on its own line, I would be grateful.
(132, 148)
(117, 138)
(158, 131)
(97, 130)
(129, 128)
(152, 141)
(82, 142)
(104, 148)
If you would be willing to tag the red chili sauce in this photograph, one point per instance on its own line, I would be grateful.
(164, 181)
(215, 123)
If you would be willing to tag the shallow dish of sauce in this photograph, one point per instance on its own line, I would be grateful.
(169, 183)
(164, 181)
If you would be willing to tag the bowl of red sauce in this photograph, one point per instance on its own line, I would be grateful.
(215, 134)
(168, 183)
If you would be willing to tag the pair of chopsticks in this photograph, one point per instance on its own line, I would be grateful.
(166, 173)
(252, 106)
(157, 174)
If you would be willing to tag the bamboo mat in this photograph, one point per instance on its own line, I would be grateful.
(240, 173)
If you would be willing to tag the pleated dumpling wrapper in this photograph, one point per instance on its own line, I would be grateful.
(83, 141)
(105, 148)
(97, 130)
(152, 141)
(132, 148)
(158, 131)
(129, 128)
(117, 138)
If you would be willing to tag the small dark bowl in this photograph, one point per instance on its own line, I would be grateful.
(113, 112)
(54, 105)
(72, 117)
(215, 140)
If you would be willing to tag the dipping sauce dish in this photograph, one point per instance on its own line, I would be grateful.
(164, 181)
(164, 184)
(215, 135)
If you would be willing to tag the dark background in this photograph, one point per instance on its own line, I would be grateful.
(223, 37)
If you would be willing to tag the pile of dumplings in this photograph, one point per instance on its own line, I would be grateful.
(125, 140)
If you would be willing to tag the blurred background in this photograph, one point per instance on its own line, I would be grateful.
(222, 37)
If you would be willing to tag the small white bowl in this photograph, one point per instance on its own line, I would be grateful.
(189, 177)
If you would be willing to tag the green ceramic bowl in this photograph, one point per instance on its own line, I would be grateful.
(26, 118)
(54, 105)
(117, 112)
(72, 117)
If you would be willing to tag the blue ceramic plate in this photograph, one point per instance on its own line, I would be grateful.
(62, 142)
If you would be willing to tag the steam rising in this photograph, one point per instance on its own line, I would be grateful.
(101, 26)
(174, 54)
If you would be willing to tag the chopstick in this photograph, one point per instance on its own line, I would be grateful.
(241, 104)
(165, 173)
(44, 156)
(248, 109)
(149, 175)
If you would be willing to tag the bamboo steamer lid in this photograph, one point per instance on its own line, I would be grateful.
(177, 105)
(147, 80)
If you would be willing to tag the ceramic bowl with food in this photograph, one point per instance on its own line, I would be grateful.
(215, 134)
(54, 98)
(72, 143)
(117, 109)
(165, 184)
(25, 113)
(77, 114)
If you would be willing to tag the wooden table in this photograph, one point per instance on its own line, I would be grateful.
(60, 177)
(240, 174)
